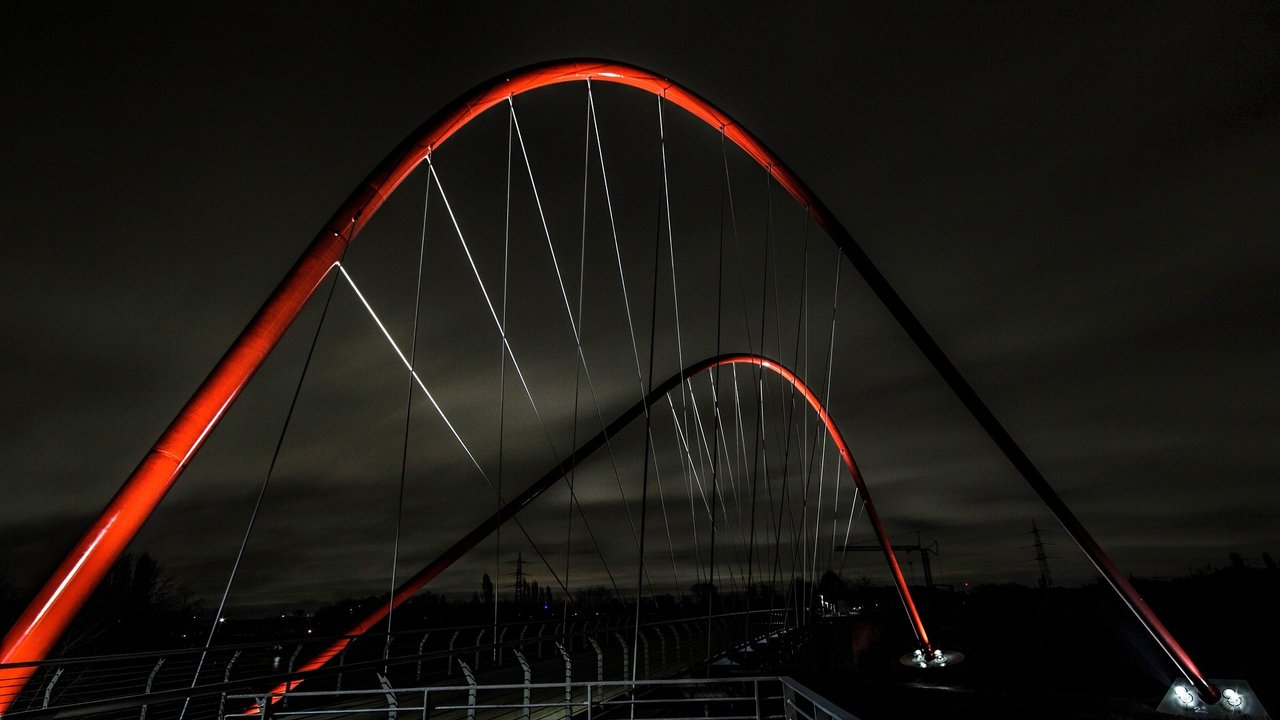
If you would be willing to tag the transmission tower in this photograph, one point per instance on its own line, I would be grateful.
(1046, 579)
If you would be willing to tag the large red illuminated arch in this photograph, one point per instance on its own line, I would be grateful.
(43, 622)
(62, 596)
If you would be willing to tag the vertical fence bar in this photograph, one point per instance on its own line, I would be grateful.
(342, 661)
(393, 706)
(471, 689)
(599, 660)
(226, 678)
(528, 681)
(644, 646)
(788, 702)
(421, 644)
(568, 682)
(626, 656)
(150, 679)
(48, 689)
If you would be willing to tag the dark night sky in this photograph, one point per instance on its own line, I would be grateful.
(1080, 203)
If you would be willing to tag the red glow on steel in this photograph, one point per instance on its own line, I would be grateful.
(904, 593)
(62, 596)
(44, 620)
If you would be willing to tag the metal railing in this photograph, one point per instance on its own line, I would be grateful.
(159, 686)
(745, 698)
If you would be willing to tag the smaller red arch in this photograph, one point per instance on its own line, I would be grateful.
(413, 585)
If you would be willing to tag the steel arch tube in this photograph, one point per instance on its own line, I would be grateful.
(57, 602)
(413, 585)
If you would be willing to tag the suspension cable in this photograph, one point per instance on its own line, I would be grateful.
(439, 410)
(502, 378)
(515, 364)
(631, 330)
(644, 492)
(408, 417)
(262, 491)
(577, 334)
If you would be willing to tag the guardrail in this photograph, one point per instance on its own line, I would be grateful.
(746, 698)
(159, 686)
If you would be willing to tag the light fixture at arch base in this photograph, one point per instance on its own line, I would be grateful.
(931, 659)
(1238, 702)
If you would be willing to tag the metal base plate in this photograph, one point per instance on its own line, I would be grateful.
(937, 659)
(1238, 702)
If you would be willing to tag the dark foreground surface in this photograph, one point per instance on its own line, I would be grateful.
(1062, 653)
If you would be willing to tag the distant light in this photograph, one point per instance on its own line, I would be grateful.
(222, 619)
(1184, 695)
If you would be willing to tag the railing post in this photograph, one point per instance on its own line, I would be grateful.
(226, 678)
(150, 679)
(421, 645)
(599, 659)
(644, 646)
(479, 639)
(342, 661)
(449, 658)
(662, 646)
(471, 689)
(568, 682)
(502, 637)
(626, 657)
(284, 699)
(393, 707)
(48, 689)
(528, 680)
